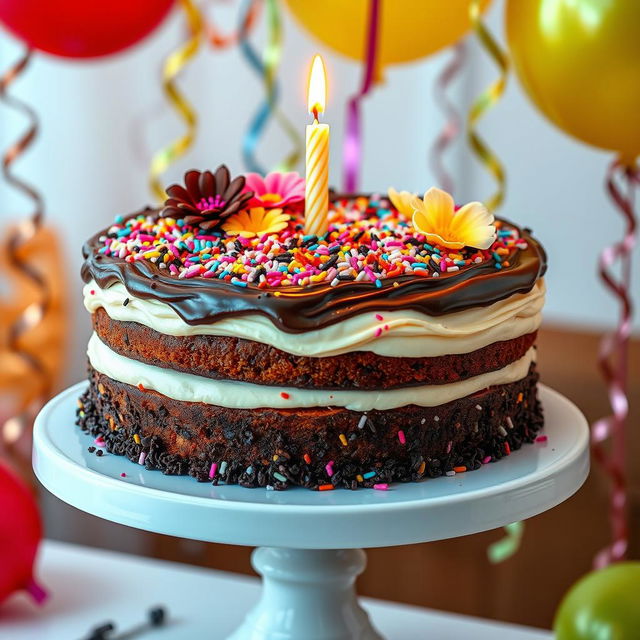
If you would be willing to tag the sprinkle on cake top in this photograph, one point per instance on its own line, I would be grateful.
(368, 240)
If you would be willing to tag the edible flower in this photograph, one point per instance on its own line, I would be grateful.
(275, 190)
(469, 226)
(206, 198)
(403, 201)
(256, 222)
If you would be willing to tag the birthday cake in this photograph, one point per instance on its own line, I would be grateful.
(234, 345)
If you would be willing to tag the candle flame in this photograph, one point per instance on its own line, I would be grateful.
(317, 91)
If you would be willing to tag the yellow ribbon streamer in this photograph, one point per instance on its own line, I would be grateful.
(510, 543)
(485, 101)
(173, 65)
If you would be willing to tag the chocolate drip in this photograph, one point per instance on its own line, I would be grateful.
(299, 309)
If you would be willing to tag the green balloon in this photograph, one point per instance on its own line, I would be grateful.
(604, 605)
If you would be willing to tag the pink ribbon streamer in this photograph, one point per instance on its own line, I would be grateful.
(352, 147)
(453, 124)
(613, 364)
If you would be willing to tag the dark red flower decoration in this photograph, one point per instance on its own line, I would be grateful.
(207, 198)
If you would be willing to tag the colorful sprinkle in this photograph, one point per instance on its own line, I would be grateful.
(343, 439)
(459, 469)
(136, 438)
(142, 458)
(486, 460)
(285, 395)
(329, 468)
(213, 469)
(401, 437)
(383, 486)
(367, 241)
(279, 476)
(326, 487)
(307, 458)
(369, 474)
(542, 438)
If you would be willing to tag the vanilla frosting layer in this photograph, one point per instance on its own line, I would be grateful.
(401, 333)
(242, 395)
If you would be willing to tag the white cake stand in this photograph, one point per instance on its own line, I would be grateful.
(310, 543)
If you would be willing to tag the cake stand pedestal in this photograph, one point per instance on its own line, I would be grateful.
(310, 543)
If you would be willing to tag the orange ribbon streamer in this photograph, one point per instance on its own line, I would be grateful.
(31, 316)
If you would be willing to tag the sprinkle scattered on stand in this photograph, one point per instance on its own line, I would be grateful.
(542, 438)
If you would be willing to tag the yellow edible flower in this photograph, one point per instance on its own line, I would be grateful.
(403, 201)
(470, 226)
(256, 222)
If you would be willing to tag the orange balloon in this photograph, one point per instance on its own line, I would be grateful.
(409, 29)
(579, 61)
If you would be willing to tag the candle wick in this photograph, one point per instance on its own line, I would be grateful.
(314, 111)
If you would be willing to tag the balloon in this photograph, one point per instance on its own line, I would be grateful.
(82, 29)
(580, 63)
(603, 604)
(20, 534)
(410, 29)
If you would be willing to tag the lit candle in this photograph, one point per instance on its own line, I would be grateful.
(317, 156)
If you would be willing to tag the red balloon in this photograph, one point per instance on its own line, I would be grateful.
(82, 29)
(20, 534)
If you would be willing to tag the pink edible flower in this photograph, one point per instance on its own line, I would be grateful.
(275, 190)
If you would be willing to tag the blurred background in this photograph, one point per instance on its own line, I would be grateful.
(102, 120)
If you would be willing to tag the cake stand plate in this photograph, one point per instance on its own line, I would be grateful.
(310, 542)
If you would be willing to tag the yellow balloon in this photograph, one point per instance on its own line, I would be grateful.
(579, 61)
(409, 29)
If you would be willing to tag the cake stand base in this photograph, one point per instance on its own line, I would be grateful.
(310, 542)
(307, 594)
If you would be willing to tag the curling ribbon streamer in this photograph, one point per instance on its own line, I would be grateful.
(220, 40)
(508, 545)
(173, 65)
(33, 314)
(352, 146)
(453, 124)
(485, 101)
(267, 69)
(613, 364)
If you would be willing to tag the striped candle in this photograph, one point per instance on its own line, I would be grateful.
(317, 156)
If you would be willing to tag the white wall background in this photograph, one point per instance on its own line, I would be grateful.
(101, 122)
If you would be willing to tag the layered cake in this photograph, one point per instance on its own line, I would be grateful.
(231, 346)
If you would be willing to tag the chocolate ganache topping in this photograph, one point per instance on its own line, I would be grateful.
(297, 309)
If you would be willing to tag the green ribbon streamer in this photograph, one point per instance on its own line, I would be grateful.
(507, 546)
(267, 68)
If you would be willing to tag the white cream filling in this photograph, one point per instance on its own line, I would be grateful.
(401, 333)
(243, 395)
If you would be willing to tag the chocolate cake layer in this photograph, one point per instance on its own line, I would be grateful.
(228, 358)
(281, 448)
